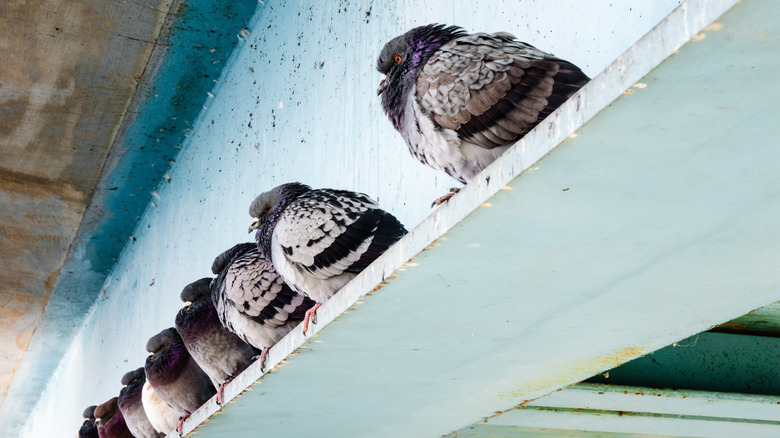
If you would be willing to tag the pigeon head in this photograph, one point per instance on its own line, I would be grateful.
(104, 412)
(167, 356)
(196, 291)
(110, 421)
(268, 207)
(88, 428)
(133, 376)
(401, 60)
(223, 260)
(89, 413)
(131, 383)
(198, 313)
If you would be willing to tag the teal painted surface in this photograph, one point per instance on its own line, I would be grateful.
(656, 222)
(707, 361)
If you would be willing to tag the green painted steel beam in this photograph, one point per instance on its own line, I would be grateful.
(707, 361)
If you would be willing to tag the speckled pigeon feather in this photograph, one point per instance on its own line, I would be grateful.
(175, 376)
(132, 408)
(251, 298)
(218, 351)
(88, 429)
(460, 100)
(320, 239)
(110, 422)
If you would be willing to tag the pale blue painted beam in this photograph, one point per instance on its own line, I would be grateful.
(631, 410)
(731, 406)
(629, 237)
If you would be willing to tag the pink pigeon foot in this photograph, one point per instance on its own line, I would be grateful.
(311, 314)
(221, 389)
(441, 200)
(180, 424)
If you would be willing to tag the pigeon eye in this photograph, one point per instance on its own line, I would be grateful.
(267, 208)
(397, 59)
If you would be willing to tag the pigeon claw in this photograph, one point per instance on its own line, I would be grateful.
(311, 315)
(221, 389)
(262, 358)
(180, 424)
(442, 199)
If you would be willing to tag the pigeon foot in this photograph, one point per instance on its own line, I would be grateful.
(311, 315)
(442, 199)
(262, 358)
(222, 388)
(180, 424)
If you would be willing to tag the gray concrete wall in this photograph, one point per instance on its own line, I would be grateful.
(296, 102)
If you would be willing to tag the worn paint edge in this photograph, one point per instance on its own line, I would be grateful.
(688, 19)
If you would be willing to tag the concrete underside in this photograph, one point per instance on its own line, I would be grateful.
(96, 98)
(69, 73)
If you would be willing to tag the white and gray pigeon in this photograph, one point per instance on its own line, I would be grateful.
(251, 298)
(318, 240)
(131, 405)
(175, 376)
(460, 100)
(162, 416)
(218, 351)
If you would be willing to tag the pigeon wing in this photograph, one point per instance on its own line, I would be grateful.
(493, 89)
(256, 290)
(330, 232)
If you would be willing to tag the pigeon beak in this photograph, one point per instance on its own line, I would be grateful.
(382, 85)
(97, 420)
(151, 353)
(255, 224)
(187, 304)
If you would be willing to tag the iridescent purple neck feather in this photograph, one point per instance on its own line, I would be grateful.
(401, 60)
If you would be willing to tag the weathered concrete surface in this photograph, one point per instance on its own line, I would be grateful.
(69, 71)
(100, 120)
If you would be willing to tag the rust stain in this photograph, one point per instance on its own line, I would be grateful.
(574, 372)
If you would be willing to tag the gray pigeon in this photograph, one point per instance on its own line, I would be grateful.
(88, 429)
(318, 240)
(110, 422)
(162, 416)
(175, 376)
(219, 352)
(460, 100)
(132, 408)
(251, 298)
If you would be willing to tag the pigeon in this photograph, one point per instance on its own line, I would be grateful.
(252, 299)
(175, 376)
(318, 240)
(110, 422)
(218, 351)
(460, 100)
(88, 429)
(162, 416)
(132, 408)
